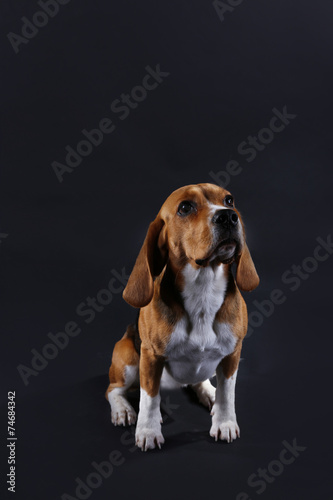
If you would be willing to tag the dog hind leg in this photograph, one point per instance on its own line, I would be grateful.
(205, 392)
(123, 374)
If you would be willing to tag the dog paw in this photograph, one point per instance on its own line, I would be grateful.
(207, 397)
(123, 414)
(226, 430)
(206, 393)
(148, 439)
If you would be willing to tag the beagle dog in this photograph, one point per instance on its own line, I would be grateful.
(192, 317)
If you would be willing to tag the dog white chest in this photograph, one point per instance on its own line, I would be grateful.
(198, 342)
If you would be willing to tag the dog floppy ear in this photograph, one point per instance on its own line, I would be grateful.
(149, 263)
(247, 278)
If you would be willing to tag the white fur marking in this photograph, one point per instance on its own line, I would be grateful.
(214, 208)
(224, 422)
(198, 342)
(205, 392)
(122, 412)
(148, 430)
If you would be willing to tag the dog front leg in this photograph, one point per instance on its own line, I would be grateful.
(148, 430)
(224, 422)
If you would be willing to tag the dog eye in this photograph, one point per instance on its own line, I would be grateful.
(229, 201)
(185, 208)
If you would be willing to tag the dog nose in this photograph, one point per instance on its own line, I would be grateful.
(225, 218)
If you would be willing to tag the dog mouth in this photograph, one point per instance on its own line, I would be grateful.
(225, 252)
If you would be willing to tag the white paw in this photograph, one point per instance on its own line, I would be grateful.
(148, 439)
(226, 430)
(206, 393)
(123, 413)
(207, 396)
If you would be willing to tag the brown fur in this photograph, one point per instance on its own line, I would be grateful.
(124, 354)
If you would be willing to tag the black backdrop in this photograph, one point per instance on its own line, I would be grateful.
(225, 76)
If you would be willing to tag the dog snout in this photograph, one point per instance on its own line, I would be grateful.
(225, 218)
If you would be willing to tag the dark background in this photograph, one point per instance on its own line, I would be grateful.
(65, 238)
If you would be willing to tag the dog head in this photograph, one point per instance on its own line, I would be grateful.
(197, 224)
